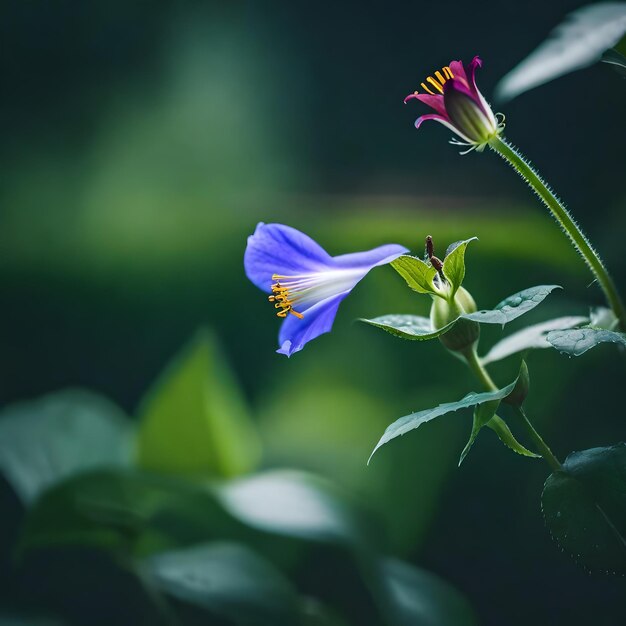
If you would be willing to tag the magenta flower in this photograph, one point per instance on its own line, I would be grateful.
(460, 106)
(306, 283)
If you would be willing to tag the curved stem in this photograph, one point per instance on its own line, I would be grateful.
(542, 446)
(479, 370)
(563, 217)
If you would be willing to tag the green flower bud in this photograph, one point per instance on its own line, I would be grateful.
(464, 334)
(464, 298)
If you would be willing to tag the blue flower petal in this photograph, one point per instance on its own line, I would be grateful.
(370, 258)
(280, 249)
(318, 319)
(296, 333)
(324, 281)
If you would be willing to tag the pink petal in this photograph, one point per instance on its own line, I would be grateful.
(442, 120)
(471, 71)
(458, 71)
(434, 102)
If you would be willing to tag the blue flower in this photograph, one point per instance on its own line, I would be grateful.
(306, 283)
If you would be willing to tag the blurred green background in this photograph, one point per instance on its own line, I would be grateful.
(142, 142)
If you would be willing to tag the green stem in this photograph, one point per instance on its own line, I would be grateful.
(563, 217)
(542, 446)
(478, 369)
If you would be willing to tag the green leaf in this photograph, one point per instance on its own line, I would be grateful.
(417, 274)
(578, 340)
(454, 264)
(514, 306)
(530, 338)
(420, 328)
(226, 579)
(584, 506)
(407, 326)
(294, 504)
(574, 44)
(194, 420)
(500, 427)
(419, 598)
(415, 420)
(47, 440)
(482, 415)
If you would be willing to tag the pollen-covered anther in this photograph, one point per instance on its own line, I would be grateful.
(280, 298)
(437, 82)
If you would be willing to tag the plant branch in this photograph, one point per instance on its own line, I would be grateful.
(479, 370)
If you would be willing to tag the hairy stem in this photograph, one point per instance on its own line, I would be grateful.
(563, 217)
(479, 370)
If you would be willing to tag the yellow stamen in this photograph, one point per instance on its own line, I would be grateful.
(443, 77)
(281, 299)
(435, 84)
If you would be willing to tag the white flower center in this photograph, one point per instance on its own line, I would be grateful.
(304, 290)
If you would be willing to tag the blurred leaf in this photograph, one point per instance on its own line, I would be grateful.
(228, 580)
(531, 337)
(296, 504)
(499, 426)
(315, 613)
(574, 44)
(417, 274)
(415, 420)
(194, 420)
(134, 513)
(585, 507)
(296, 417)
(482, 414)
(407, 326)
(454, 263)
(578, 340)
(617, 60)
(514, 306)
(419, 598)
(125, 512)
(47, 440)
